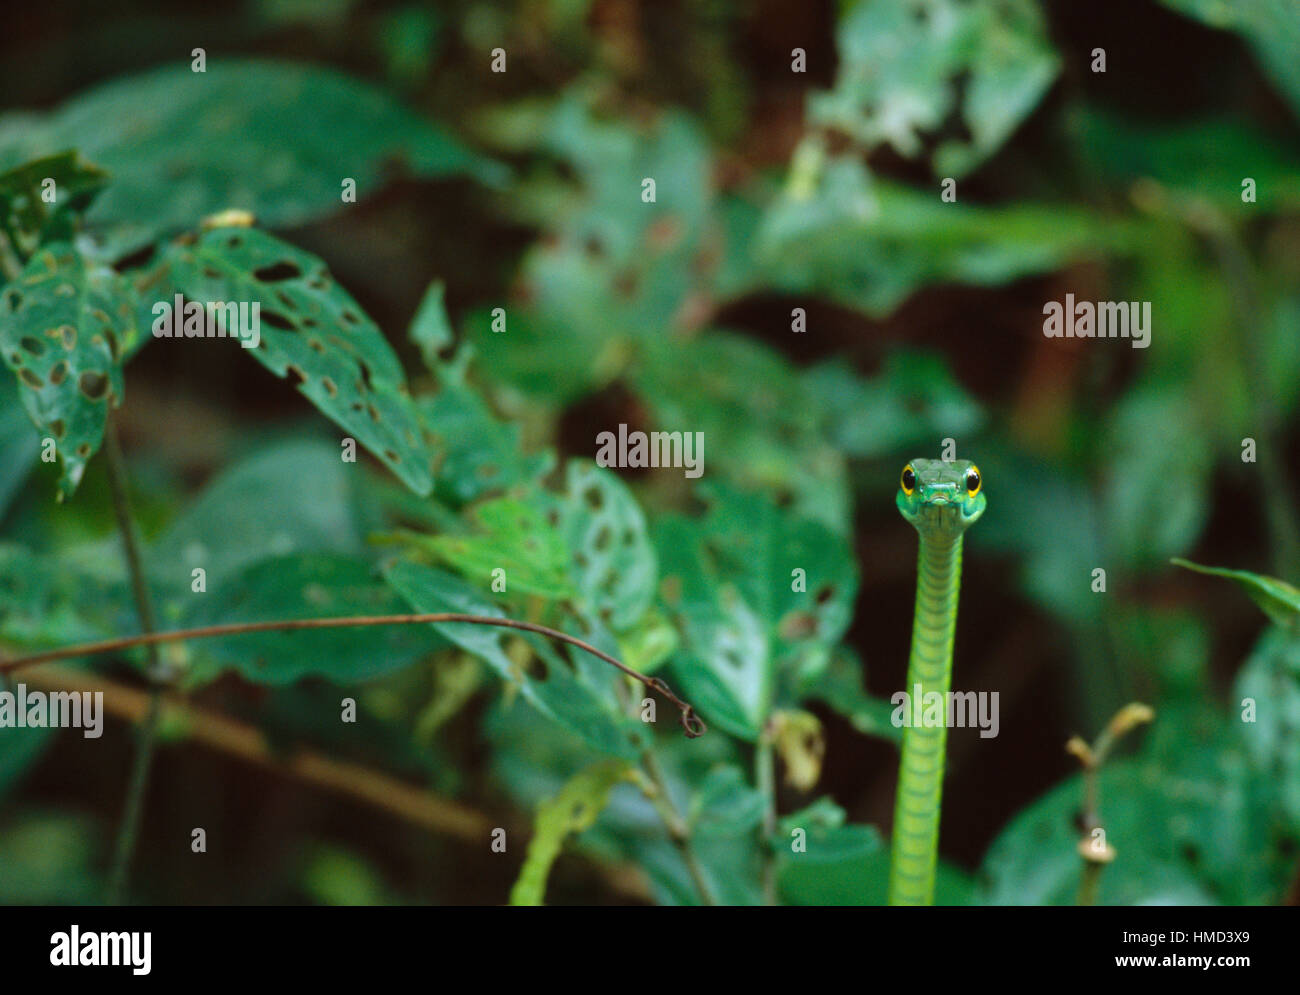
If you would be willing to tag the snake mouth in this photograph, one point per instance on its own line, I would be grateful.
(942, 512)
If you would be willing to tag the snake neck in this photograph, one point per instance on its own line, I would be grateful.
(934, 624)
(929, 669)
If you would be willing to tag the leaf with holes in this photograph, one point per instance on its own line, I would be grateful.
(905, 68)
(313, 329)
(761, 597)
(27, 218)
(64, 324)
(580, 698)
(870, 244)
(618, 271)
(613, 564)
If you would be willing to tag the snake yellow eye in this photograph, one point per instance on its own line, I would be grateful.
(973, 481)
(908, 480)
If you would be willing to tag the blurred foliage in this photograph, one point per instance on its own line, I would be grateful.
(798, 290)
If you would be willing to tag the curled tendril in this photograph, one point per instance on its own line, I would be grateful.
(692, 723)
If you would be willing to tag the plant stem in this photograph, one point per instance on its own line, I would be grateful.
(148, 731)
(1089, 883)
(678, 831)
(765, 775)
(692, 723)
(1091, 758)
(129, 827)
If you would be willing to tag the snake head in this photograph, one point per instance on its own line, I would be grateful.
(941, 499)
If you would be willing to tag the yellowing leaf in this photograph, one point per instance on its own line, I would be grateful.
(574, 809)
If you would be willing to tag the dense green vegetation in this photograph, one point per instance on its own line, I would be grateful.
(801, 292)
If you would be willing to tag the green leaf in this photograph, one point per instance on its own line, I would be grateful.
(1279, 600)
(617, 271)
(770, 439)
(898, 70)
(869, 244)
(823, 860)
(729, 579)
(309, 585)
(649, 643)
(1271, 681)
(835, 868)
(577, 696)
(311, 327)
(725, 804)
(1207, 158)
(1011, 70)
(25, 216)
(239, 520)
(513, 536)
(600, 310)
(531, 754)
(915, 398)
(479, 454)
(64, 326)
(611, 160)
(1191, 822)
(273, 138)
(19, 446)
(840, 687)
(613, 566)
(430, 328)
(573, 810)
(47, 600)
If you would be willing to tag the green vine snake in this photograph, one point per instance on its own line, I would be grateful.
(941, 499)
